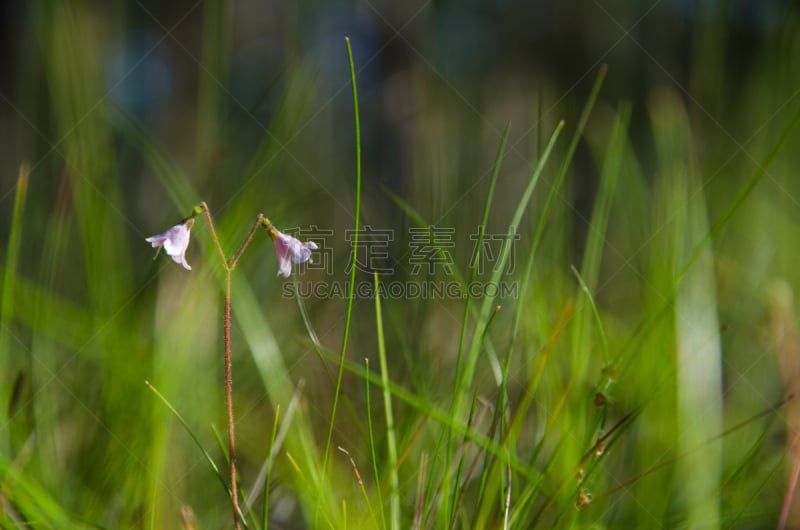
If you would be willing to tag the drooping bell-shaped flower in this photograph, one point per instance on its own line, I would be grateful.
(289, 249)
(175, 240)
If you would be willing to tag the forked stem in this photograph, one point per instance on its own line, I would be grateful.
(229, 265)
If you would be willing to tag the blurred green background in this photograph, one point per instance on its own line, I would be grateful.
(679, 210)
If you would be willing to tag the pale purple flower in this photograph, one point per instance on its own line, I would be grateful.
(175, 240)
(289, 250)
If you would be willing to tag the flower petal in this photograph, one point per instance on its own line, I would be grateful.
(285, 267)
(288, 250)
(156, 241)
(182, 261)
(175, 241)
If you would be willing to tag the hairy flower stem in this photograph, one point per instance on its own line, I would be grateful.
(229, 397)
(214, 237)
(247, 238)
(229, 265)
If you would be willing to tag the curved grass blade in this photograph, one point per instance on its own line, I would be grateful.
(196, 441)
(464, 379)
(349, 310)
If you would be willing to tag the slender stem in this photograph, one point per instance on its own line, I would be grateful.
(247, 238)
(229, 397)
(214, 237)
(349, 310)
(229, 265)
(394, 481)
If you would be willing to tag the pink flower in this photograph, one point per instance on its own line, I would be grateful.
(289, 250)
(175, 240)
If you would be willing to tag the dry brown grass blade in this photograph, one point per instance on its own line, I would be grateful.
(787, 349)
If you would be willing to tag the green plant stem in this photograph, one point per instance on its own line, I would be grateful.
(349, 311)
(394, 482)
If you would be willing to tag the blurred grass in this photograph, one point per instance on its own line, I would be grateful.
(649, 247)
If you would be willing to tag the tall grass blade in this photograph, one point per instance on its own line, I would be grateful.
(596, 240)
(479, 244)
(394, 482)
(596, 314)
(699, 355)
(7, 373)
(349, 310)
(372, 445)
(195, 439)
(464, 379)
(522, 298)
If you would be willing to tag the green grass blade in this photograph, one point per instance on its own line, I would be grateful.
(481, 232)
(349, 310)
(194, 438)
(9, 291)
(551, 197)
(312, 335)
(394, 482)
(464, 379)
(698, 351)
(268, 477)
(542, 222)
(539, 231)
(610, 155)
(598, 321)
(508, 439)
(467, 304)
(596, 240)
(562, 171)
(372, 449)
